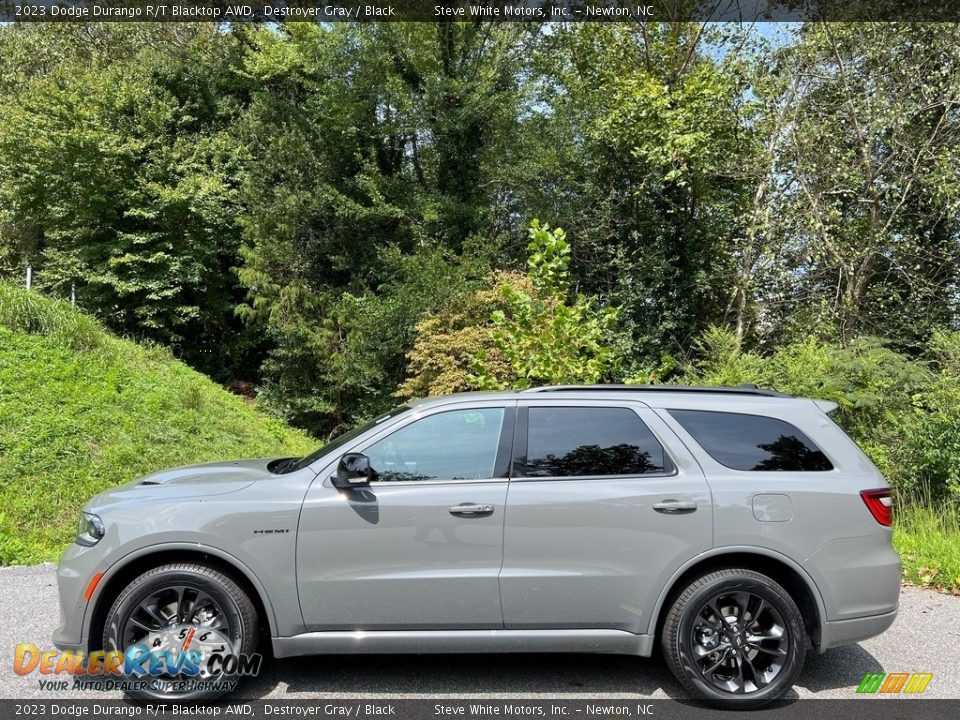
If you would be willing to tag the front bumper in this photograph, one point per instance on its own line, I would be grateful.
(78, 565)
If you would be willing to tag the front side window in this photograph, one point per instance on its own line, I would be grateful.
(589, 441)
(752, 442)
(454, 445)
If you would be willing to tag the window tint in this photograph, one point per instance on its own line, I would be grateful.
(455, 445)
(752, 442)
(580, 441)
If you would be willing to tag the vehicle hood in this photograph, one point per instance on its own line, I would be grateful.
(192, 481)
(207, 474)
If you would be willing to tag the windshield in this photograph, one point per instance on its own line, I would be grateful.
(338, 442)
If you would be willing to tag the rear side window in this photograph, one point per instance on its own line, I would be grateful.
(588, 441)
(752, 442)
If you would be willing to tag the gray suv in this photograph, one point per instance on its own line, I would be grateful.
(736, 528)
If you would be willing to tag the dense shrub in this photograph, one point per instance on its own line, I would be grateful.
(929, 458)
(548, 334)
(519, 331)
(442, 360)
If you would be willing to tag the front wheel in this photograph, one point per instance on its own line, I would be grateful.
(185, 612)
(735, 638)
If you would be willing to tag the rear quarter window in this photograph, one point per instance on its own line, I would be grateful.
(752, 442)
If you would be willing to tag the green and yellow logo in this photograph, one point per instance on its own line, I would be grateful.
(894, 683)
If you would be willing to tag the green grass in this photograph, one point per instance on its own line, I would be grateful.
(928, 540)
(82, 411)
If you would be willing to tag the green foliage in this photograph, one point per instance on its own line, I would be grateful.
(868, 219)
(543, 337)
(82, 411)
(869, 381)
(369, 192)
(312, 177)
(118, 176)
(928, 539)
(339, 356)
(645, 136)
(928, 463)
(448, 342)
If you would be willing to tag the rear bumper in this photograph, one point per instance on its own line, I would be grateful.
(858, 577)
(843, 632)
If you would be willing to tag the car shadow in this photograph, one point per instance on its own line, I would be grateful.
(838, 668)
(462, 675)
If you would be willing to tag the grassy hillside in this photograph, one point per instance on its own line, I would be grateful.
(82, 410)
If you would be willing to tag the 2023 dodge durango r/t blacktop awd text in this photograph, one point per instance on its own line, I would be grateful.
(738, 528)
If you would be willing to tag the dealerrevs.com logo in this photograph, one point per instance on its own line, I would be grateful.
(894, 683)
(178, 659)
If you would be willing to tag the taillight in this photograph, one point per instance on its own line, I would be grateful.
(880, 504)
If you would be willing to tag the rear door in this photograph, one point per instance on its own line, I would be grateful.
(599, 515)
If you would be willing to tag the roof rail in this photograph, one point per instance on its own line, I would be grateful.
(745, 389)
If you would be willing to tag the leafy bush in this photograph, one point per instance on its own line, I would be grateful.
(442, 360)
(516, 332)
(929, 458)
(544, 337)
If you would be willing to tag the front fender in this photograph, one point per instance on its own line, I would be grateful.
(252, 530)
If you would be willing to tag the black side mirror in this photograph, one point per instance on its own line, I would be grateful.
(353, 471)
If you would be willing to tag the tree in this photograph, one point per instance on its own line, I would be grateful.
(372, 152)
(118, 176)
(869, 222)
(645, 140)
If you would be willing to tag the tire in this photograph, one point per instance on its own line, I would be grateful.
(724, 661)
(218, 603)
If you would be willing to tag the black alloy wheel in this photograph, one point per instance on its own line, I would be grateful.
(735, 638)
(739, 642)
(179, 606)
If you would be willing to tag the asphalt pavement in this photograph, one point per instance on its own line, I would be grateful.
(925, 638)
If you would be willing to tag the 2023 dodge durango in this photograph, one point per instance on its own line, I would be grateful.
(738, 528)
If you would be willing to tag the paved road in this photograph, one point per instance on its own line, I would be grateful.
(925, 638)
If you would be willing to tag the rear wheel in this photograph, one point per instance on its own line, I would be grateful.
(735, 638)
(182, 607)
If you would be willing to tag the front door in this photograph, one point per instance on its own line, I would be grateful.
(421, 547)
(599, 516)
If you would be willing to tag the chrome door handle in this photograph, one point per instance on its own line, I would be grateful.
(471, 510)
(675, 507)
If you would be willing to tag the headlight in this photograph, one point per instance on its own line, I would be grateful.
(89, 530)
